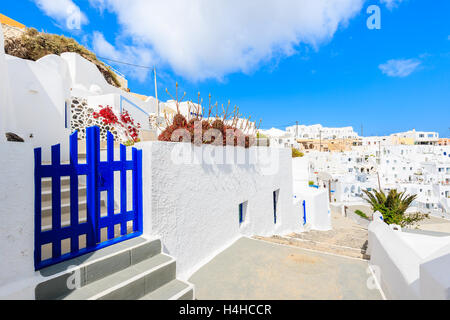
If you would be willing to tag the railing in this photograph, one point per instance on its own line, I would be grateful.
(99, 178)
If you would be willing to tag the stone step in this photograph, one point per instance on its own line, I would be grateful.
(131, 283)
(174, 290)
(65, 209)
(47, 182)
(359, 253)
(46, 208)
(65, 193)
(94, 266)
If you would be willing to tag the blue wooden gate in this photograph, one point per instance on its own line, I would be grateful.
(99, 177)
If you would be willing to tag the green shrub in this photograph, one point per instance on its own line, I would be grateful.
(361, 214)
(311, 183)
(296, 153)
(393, 206)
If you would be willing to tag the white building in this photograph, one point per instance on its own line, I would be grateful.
(415, 169)
(280, 139)
(419, 137)
(39, 97)
(318, 132)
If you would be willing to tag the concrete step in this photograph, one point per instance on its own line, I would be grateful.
(130, 283)
(65, 193)
(47, 182)
(91, 267)
(65, 209)
(46, 208)
(46, 221)
(359, 253)
(174, 290)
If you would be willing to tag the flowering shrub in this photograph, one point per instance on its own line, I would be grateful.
(224, 129)
(124, 121)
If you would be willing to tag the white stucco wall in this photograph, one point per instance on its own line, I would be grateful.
(195, 207)
(88, 82)
(434, 275)
(318, 212)
(34, 107)
(16, 220)
(397, 263)
(5, 91)
(300, 172)
(409, 266)
(40, 91)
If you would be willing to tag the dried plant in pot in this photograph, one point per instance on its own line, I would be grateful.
(225, 123)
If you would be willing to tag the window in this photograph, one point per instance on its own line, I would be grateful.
(243, 212)
(275, 204)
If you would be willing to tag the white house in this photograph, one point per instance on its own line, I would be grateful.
(280, 139)
(419, 137)
(38, 106)
(318, 132)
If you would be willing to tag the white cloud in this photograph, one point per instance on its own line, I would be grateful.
(100, 5)
(399, 68)
(203, 39)
(65, 12)
(390, 4)
(130, 54)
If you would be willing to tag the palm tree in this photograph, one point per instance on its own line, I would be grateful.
(393, 206)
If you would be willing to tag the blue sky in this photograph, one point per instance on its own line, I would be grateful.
(334, 71)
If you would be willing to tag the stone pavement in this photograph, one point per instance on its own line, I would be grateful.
(255, 269)
(347, 238)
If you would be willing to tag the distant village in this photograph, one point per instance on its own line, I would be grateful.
(415, 162)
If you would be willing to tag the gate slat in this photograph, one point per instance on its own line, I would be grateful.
(137, 189)
(93, 210)
(56, 199)
(123, 188)
(74, 246)
(37, 206)
(110, 190)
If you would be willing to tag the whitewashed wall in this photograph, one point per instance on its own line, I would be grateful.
(195, 207)
(435, 275)
(39, 94)
(16, 220)
(88, 82)
(35, 106)
(318, 213)
(300, 172)
(409, 266)
(5, 91)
